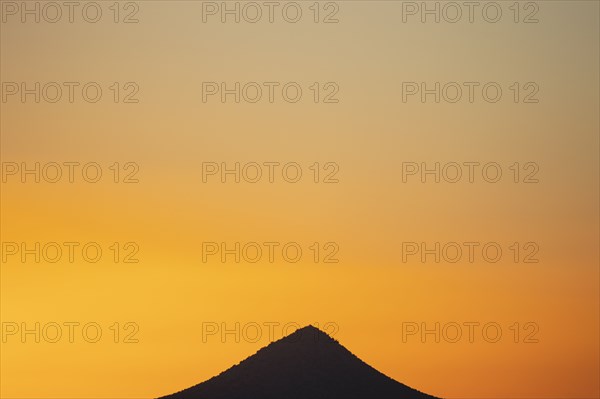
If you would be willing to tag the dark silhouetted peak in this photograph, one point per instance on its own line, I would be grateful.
(307, 335)
(307, 364)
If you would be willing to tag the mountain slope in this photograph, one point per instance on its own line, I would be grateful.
(307, 364)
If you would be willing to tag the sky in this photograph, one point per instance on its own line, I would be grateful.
(424, 191)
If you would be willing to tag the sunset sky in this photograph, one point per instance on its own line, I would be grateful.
(364, 140)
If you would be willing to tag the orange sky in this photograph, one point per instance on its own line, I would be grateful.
(370, 295)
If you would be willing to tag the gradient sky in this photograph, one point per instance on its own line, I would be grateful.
(369, 133)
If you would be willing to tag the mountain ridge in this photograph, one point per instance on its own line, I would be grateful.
(307, 364)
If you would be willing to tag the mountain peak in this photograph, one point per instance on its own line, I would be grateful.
(309, 328)
(308, 363)
(309, 331)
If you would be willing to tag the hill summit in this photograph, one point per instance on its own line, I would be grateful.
(307, 364)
